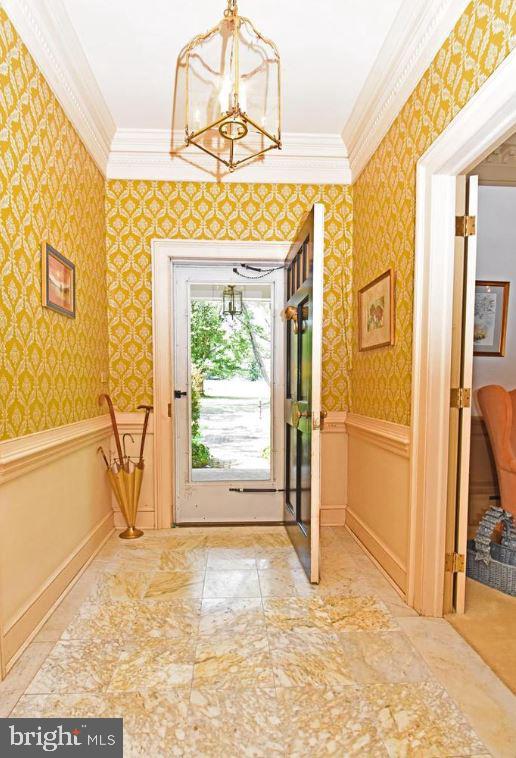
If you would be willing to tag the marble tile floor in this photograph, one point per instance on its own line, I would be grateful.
(211, 642)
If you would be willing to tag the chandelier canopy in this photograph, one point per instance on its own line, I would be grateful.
(233, 109)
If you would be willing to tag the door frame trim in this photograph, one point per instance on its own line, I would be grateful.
(485, 122)
(163, 252)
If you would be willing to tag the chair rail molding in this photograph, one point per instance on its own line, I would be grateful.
(485, 122)
(48, 33)
(22, 454)
(386, 434)
(418, 32)
(161, 154)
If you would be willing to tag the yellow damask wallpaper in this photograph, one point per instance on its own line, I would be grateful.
(385, 202)
(137, 211)
(51, 190)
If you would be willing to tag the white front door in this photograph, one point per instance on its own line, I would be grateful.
(228, 390)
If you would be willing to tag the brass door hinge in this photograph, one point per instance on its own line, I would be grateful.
(465, 226)
(454, 563)
(460, 397)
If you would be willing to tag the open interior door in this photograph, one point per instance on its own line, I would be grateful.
(460, 396)
(303, 318)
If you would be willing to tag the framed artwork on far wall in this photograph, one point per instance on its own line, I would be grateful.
(490, 326)
(57, 281)
(376, 306)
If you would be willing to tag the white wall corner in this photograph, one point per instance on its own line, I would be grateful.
(46, 29)
(161, 154)
(417, 34)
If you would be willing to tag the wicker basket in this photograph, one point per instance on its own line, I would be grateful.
(492, 563)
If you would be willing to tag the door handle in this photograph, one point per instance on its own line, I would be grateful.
(297, 414)
(180, 393)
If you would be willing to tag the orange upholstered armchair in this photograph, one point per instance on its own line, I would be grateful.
(499, 412)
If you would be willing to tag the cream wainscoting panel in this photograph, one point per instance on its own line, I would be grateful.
(132, 423)
(334, 466)
(55, 513)
(378, 491)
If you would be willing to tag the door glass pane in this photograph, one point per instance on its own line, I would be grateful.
(230, 379)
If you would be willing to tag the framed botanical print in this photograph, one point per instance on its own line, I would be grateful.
(376, 307)
(490, 325)
(57, 281)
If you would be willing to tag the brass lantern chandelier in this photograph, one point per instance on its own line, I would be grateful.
(233, 109)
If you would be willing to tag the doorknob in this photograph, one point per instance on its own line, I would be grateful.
(296, 414)
(180, 393)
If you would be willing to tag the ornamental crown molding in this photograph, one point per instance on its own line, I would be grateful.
(417, 34)
(46, 30)
(162, 154)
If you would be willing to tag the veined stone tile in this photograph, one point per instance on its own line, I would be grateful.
(158, 663)
(175, 584)
(277, 558)
(243, 722)
(284, 583)
(233, 670)
(302, 639)
(313, 668)
(76, 666)
(346, 613)
(178, 560)
(231, 559)
(320, 722)
(23, 671)
(179, 542)
(292, 613)
(227, 641)
(121, 585)
(128, 621)
(237, 614)
(230, 540)
(376, 657)
(155, 722)
(420, 720)
(231, 584)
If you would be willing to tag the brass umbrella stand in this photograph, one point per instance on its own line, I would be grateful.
(125, 475)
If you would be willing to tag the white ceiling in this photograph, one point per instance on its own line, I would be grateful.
(327, 49)
(347, 68)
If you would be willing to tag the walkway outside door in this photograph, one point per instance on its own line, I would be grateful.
(228, 391)
(303, 413)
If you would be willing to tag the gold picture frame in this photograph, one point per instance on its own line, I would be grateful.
(57, 281)
(376, 313)
(490, 322)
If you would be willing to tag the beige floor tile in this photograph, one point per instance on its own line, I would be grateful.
(226, 658)
(76, 666)
(231, 559)
(420, 720)
(129, 621)
(376, 657)
(231, 584)
(321, 722)
(277, 558)
(238, 614)
(314, 666)
(347, 613)
(230, 540)
(121, 585)
(175, 584)
(179, 541)
(284, 583)
(157, 663)
(247, 724)
(155, 722)
(178, 560)
(24, 670)
(303, 640)
(292, 613)
(482, 697)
